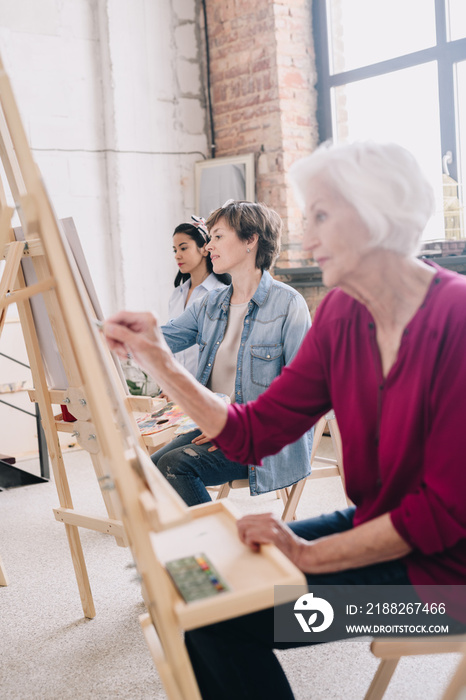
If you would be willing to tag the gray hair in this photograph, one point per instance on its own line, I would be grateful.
(383, 182)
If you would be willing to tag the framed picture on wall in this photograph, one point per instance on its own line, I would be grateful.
(220, 179)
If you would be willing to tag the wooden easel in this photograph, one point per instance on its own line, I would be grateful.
(156, 522)
(3, 576)
(19, 251)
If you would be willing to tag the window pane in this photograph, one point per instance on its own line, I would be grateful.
(461, 136)
(401, 107)
(457, 15)
(362, 32)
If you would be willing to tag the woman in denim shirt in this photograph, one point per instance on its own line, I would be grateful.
(256, 326)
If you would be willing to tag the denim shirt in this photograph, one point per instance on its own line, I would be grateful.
(190, 358)
(275, 324)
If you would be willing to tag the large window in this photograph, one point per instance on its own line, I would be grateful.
(395, 70)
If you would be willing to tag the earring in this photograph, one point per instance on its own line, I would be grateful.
(247, 250)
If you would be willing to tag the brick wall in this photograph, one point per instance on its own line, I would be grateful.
(262, 72)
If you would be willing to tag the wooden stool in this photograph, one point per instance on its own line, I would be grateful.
(324, 467)
(391, 650)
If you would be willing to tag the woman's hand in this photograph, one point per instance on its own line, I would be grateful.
(266, 528)
(374, 541)
(138, 335)
(201, 440)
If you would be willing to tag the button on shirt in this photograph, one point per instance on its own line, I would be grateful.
(177, 304)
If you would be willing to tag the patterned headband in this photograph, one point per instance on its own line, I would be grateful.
(200, 224)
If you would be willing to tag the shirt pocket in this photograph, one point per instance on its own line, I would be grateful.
(266, 363)
(202, 344)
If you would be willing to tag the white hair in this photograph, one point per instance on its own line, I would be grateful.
(383, 182)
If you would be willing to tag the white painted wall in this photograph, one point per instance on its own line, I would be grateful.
(111, 98)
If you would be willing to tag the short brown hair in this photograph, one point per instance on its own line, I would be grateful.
(248, 218)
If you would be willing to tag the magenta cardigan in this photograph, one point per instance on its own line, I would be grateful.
(404, 437)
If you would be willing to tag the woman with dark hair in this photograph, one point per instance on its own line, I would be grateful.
(245, 333)
(195, 277)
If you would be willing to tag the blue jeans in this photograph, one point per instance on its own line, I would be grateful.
(190, 468)
(234, 659)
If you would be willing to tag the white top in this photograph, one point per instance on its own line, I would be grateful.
(177, 304)
(223, 375)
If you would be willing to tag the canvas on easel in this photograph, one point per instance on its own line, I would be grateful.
(160, 528)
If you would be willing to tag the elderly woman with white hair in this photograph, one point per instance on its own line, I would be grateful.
(386, 351)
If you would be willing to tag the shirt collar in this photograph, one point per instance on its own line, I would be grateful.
(260, 295)
(184, 285)
(210, 282)
(262, 291)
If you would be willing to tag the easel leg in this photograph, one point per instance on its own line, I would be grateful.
(107, 496)
(56, 455)
(64, 497)
(72, 532)
(10, 273)
(223, 491)
(80, 570)
(381, 679)
(458, 683)
(3, 576)
(337, 446)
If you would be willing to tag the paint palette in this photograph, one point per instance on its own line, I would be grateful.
(195, 577)
(169, 415)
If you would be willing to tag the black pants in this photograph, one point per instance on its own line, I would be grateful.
(234, 660)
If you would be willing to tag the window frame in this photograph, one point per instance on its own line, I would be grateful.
(445, 53)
